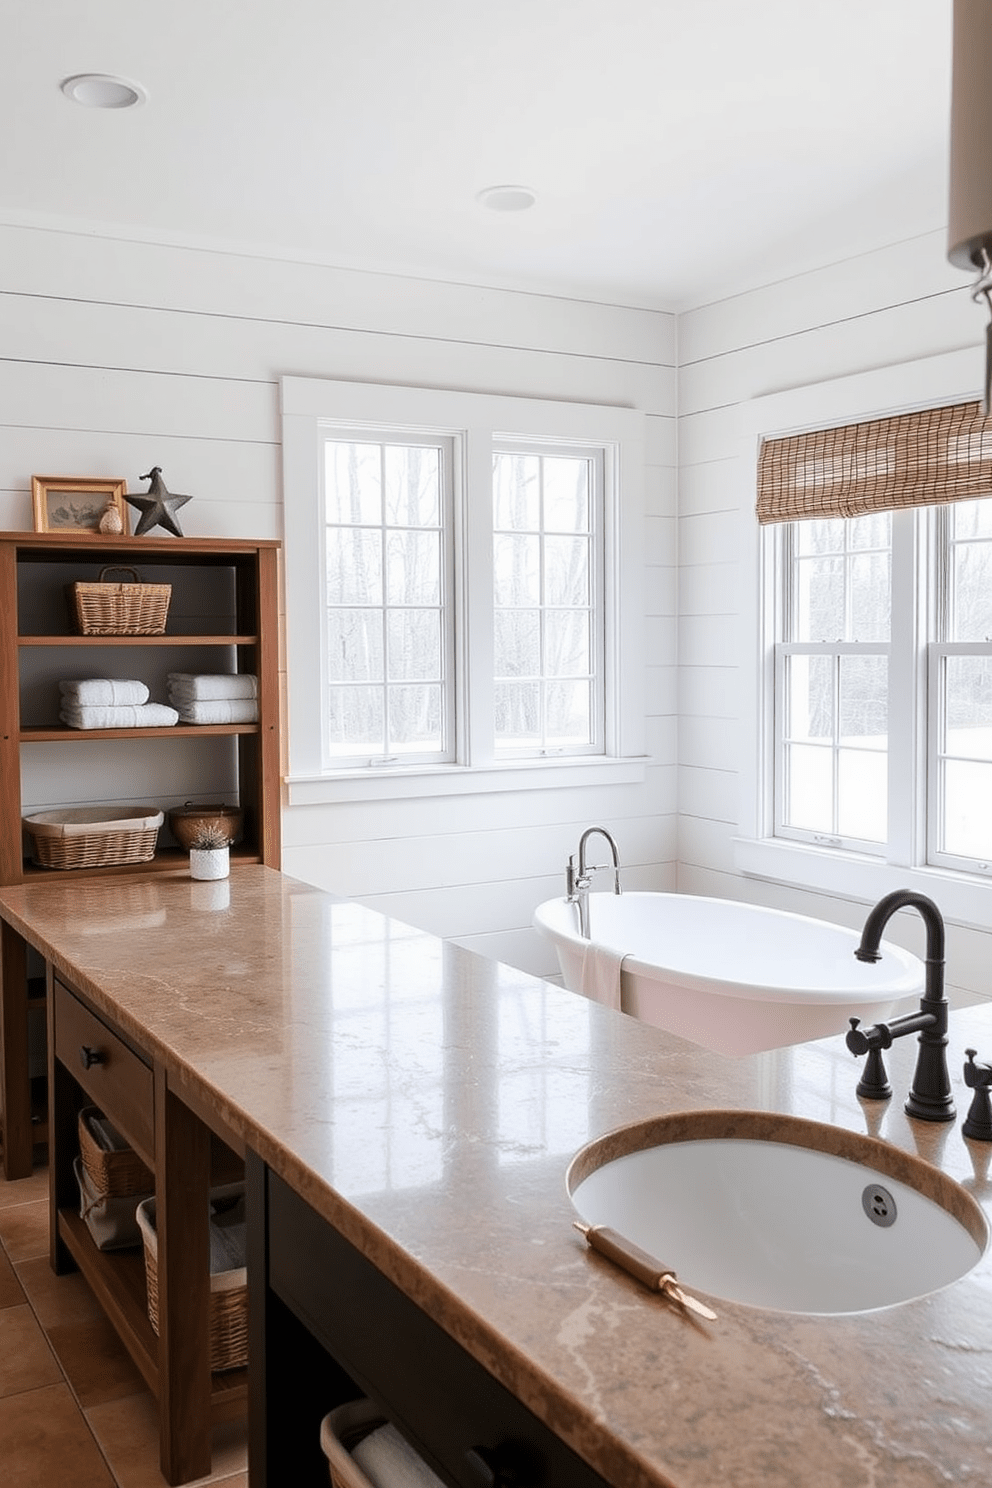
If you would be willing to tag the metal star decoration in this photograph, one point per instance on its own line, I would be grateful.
(158, 506)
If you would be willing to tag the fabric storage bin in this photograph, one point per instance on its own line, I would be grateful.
(112, 1222)
(112, 1182)
(228, 1274)
(385, 1459)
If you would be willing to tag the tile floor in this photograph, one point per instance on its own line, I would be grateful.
(74, 1411)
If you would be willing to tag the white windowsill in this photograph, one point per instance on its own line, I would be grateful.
(407, 781)
(962, 899)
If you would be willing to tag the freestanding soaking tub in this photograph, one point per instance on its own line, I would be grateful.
(735, 978)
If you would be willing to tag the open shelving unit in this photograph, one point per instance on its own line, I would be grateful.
(223, 617)
(240, 574)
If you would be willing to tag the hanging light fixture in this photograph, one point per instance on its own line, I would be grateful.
(969, 238)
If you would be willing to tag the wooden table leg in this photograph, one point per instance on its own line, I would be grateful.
(15, 1084)
(182, 1185)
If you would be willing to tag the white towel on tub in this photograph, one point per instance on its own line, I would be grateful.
(600, 980)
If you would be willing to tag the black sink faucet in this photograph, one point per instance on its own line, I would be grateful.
(930, 1095)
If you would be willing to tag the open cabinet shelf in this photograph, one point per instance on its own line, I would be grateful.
(223, 602)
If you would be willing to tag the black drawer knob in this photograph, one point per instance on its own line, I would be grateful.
(88, 1056)
(510, 1465)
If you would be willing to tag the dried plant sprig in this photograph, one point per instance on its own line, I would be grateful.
(209, 835)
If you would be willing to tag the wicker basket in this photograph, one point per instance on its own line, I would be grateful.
(228, 1290)
(93, 836)
(345, 1427)
(118, 1173)
(115, 609)
(342, 1430)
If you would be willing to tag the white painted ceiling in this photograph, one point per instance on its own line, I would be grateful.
(680, 149)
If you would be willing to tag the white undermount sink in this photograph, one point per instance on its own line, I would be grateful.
(778, 1212)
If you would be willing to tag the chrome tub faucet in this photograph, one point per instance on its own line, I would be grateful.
(578, 877)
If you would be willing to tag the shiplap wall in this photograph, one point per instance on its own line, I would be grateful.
(876, 310)
(116, 356)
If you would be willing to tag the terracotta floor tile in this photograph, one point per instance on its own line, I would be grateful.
(94, 1361)
(26, 1361)
(44, 1441)
(24, 1229)
(127, 1431)
(11, 1292)
(21, 1190)
(56, 1299)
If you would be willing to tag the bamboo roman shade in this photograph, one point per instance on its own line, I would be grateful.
(913, 459)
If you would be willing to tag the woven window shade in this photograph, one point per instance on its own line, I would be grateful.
(913, 459)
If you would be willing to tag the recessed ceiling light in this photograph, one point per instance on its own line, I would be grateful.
(507, 198)
(100, 90)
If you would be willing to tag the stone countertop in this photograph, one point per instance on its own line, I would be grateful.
(427, 1101)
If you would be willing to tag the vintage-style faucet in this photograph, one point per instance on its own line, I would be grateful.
(930, 1094)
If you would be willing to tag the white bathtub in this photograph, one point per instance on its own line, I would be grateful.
(733, 977)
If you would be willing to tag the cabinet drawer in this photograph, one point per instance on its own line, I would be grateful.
(118, 1081)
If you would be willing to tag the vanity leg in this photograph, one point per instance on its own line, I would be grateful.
(182, 1183)
(15, 1086)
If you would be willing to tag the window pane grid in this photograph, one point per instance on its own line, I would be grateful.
(544, 594)
(386, 644)
(832, 756)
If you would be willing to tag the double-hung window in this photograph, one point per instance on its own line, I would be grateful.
(463, 576)
(548, 635)
(878, 602)
(388, 577)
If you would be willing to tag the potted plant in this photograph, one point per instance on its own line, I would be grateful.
(210, 852)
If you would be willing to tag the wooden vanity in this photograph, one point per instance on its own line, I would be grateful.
(406, 1111)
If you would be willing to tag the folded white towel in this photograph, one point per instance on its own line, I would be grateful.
(194, 686)
(103, 691)
(144, 715)
(388, 1461)
(600, 980)
(216, 710)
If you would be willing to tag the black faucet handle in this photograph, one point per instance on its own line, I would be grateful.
(977, 1076)
(874, 1083)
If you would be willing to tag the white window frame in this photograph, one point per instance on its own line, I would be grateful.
(473, 421)
(963, 896)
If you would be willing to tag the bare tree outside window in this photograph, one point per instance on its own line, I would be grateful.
(544, 595)
(385, 637)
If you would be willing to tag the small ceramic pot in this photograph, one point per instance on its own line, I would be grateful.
(209, 862)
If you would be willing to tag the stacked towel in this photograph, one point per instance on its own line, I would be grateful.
(103, 692)
(141, 715)
(228, 1234)
(195, 687)
(225, 698)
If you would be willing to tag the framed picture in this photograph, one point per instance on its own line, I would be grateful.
(68, 503)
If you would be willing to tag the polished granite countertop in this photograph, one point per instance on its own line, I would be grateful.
(427, 1101)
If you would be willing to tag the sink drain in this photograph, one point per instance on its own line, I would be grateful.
(879, 1205)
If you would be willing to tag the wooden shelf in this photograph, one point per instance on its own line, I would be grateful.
(153, 640)
(166, 860)
(117, 1280)
(58, 733)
